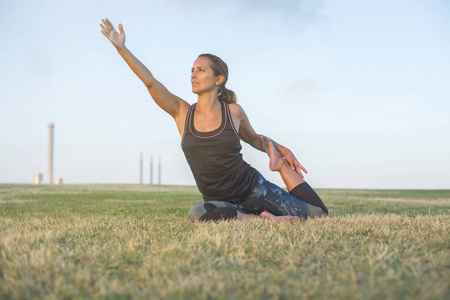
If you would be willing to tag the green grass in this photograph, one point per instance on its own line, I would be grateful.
(135, 242)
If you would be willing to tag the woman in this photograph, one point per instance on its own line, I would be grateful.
(211, 130)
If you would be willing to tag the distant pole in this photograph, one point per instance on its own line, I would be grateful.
(159, 171)
(50, 154)
(140, 173)
(151, 169)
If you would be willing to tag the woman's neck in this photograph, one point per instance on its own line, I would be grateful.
(208, 102)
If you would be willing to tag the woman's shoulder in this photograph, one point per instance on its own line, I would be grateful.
(235, 109)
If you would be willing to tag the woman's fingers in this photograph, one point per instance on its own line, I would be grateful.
(109, 24)
(297, 167)
(293, 164)
(105, 34)
(104, 28)
(105, 25)
(292, 161)
(300, 168)
(120, 28)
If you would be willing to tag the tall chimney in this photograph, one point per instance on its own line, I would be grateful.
(159, 171)
(50, 154)
(140, 173)
(151, 169)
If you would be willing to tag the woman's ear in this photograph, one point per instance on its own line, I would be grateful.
(220, 79)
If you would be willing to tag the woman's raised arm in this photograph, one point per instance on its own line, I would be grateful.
(173, 105)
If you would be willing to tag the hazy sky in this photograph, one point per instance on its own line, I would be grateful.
(358, 90)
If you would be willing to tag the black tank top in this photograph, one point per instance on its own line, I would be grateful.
(216, 161)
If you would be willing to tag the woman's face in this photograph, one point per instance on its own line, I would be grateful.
(202, 76)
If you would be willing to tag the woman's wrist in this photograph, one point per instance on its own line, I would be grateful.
(121, 48)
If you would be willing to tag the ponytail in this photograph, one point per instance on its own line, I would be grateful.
(220, 68)
(226, 95)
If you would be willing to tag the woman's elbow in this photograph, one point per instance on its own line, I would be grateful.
(148, 83)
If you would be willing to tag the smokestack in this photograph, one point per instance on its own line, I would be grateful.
(50, 154)
(37, 178)
(151, 169)
(140, 173)
(159, 171)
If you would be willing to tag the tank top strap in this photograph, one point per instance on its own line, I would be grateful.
(230, 123)
(187, 122)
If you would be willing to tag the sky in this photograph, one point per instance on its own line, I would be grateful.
(358, 90)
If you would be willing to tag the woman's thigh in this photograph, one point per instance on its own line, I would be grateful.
(267, 196)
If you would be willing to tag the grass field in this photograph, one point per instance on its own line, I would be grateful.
(134, 241)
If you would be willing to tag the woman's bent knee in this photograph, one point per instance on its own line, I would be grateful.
(316, 212)
(212, 211)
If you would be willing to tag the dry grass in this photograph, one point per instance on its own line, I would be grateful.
(106, 241)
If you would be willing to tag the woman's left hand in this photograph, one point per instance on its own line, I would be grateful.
(293, 162)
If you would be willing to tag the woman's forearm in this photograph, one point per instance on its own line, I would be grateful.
(138, 68)
(257, 143)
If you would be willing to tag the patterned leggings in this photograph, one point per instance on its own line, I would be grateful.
(265, 196)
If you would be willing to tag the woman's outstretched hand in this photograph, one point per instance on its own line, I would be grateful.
(293, 162)
(117, 39)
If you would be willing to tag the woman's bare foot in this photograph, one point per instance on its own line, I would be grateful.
(276, 160)
(268, 215)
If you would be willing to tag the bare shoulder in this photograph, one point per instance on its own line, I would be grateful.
(236, 110)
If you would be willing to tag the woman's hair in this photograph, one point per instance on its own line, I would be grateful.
(220, 68)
